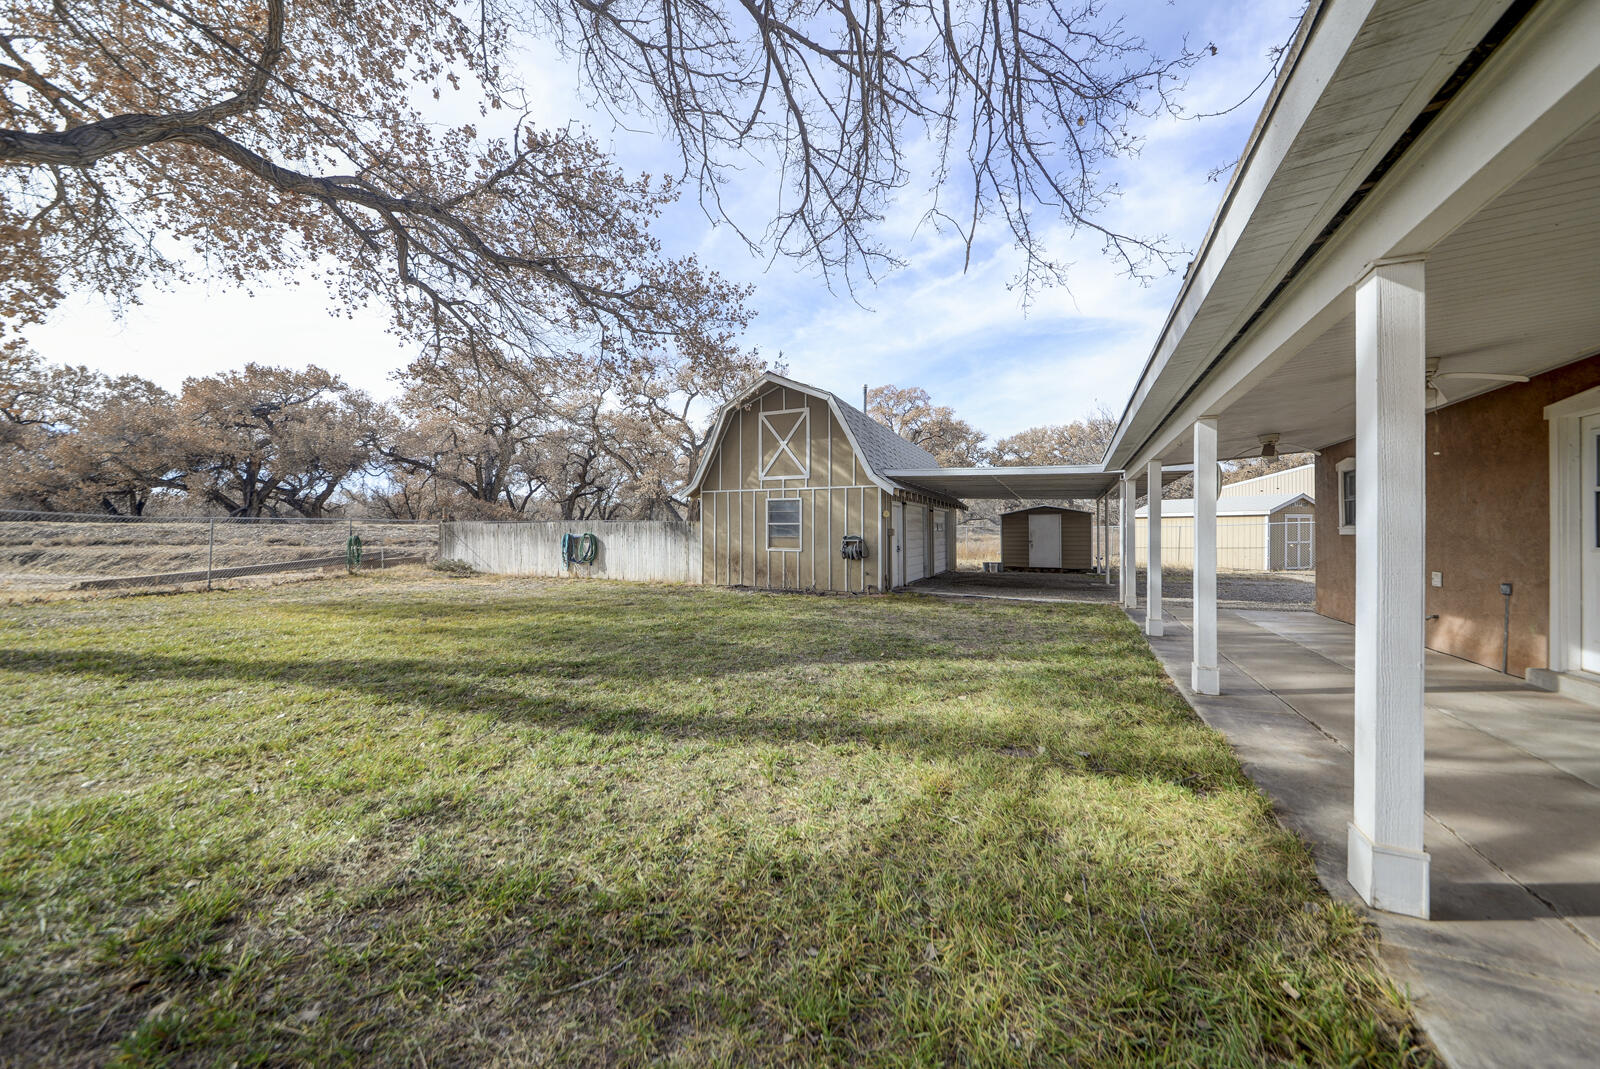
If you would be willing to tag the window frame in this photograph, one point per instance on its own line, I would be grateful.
(1345, 468)
(799, 525)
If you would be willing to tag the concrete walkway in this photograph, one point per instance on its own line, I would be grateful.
(1508, 971)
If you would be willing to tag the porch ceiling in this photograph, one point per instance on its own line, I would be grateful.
(1516, 290)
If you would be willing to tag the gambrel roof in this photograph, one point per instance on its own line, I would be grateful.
(877, 448)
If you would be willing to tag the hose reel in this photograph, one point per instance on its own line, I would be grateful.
(853, 547)
(579, 549)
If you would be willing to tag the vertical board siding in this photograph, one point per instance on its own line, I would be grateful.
(659, 551)
(835, 499)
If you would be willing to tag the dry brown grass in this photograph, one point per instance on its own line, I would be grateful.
(973, 550)
(46, 556)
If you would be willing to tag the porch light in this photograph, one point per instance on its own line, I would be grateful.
(1269, 446)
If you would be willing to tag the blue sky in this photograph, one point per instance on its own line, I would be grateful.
(963, 336)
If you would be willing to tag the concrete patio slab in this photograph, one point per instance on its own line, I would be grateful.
(1508, 970)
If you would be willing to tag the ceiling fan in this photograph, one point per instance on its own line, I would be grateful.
(1436, 397)
(1268, 448)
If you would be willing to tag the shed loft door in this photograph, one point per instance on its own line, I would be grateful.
(1044, 540)
(1589, 553)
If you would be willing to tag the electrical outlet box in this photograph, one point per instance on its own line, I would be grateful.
(1505, 588)
(1437, 578)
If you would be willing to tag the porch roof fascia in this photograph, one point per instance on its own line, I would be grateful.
(1236, 287)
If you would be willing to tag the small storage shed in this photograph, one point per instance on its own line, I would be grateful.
(1047, 538)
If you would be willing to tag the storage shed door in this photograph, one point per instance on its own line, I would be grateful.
(1044, 540)
(941, 545)
(916, 540)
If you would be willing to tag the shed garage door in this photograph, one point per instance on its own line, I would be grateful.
(916, 543)
(941, 546)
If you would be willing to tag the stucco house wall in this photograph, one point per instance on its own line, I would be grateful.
(1488, 522)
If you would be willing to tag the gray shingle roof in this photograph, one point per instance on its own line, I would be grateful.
(882, 449)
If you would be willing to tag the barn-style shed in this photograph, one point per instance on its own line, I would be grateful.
(1047, 538)
(793, 496)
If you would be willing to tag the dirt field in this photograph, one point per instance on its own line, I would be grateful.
(46, 556)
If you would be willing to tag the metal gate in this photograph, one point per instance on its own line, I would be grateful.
(1299, 550)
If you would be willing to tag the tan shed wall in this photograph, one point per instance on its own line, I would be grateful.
(835, 499)
(1077, 537)
(1488, 522)
(1241, 540)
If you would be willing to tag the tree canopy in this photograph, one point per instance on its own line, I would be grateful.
(266, 137)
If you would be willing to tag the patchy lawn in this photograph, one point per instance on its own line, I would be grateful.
(424, 820)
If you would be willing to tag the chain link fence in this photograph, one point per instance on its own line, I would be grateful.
(52, 551)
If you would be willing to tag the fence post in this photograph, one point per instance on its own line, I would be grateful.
(211, 550)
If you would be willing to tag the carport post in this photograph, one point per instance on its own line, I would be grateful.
(1387, 863)
(1105, 538)
(1127, 570)
(1203, 675)
(1152, 568)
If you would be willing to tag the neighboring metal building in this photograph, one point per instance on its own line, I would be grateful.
(1301, 480)
(793, 496)
(1047, 538)
(1255, 533)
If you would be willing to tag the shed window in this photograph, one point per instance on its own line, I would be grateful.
(783, 523)
(1346, 472)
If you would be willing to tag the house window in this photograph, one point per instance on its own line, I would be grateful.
(783, 523)
(1345, 471)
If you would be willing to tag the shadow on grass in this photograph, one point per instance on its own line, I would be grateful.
(1130, 727)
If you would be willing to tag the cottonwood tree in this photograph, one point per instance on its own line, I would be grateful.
(500, 432)
(469, 421)
(1019, 103)
(1082, 441)
(269, 441)
(909, 411)
(266, 137)
(76, 440)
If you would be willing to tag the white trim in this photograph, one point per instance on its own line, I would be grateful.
(799, 523)
(1566, 543)
(783, 449)
(1153, 623)
(1347, 464)
(1530, 97)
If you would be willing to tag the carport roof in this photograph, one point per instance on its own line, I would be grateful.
(1047, 481)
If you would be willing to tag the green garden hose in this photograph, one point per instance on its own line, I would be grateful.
(579, 549)
(352, 553)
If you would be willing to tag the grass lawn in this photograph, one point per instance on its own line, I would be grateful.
(416, 819)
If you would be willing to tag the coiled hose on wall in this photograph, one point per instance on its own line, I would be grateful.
(579, 549)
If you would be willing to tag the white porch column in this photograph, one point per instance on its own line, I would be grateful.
(1203, 675)
(1387, 863)
(1152, 572)
(1105, 540)
(1127, 570)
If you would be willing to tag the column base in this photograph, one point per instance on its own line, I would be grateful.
(1205, 680)
(1152, 624)
(1391, 878)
